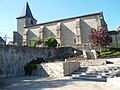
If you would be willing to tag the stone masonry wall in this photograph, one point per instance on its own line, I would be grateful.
(70, 67)
(72, 31)
(92, 62)
(56, 69)
(13, 59)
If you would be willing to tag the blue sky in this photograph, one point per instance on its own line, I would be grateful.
(47, 10)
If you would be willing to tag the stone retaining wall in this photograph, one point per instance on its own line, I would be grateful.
(70, 67)
(96, 62)
(13, 59)
(56, 69)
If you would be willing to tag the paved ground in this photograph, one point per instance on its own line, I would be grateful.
(37, 83)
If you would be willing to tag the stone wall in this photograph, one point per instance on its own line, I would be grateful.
(56, 69)
(60, 69)
(70, 67)
(92, 62)
(68, 32)
(13, 59)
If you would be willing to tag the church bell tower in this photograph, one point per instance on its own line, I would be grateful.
(24, 20)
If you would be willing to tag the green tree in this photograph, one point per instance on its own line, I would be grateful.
(50, 42)
(36, 42)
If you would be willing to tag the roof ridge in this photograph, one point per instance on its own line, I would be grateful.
(67, 19)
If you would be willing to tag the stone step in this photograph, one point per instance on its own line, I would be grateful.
(80, 75)
(103, 74)
(90, 71)
(89, 75)
(110, 69)
(81, 70)
(101, 70)
(91, 78)
(104, 68)
(94, 73)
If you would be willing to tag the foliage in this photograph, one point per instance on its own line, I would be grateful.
(105, 53)
(114, 49)
(116, 44)
(29, 68)
(35, 42)
(50, 42)
(32, 65)
(100, 37)
(108, 53)
(116, 53)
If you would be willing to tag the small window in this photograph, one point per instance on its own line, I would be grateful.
(32, 22)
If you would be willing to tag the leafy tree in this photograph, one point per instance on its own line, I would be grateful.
(100, 37)
(35, 42)
(50, 42)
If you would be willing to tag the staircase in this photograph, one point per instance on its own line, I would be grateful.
(95, 73)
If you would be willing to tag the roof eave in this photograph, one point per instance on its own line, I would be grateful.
(25, 17)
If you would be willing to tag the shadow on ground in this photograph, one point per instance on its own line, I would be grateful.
(34, 83)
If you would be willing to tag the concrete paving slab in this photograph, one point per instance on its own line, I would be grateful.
(65, 83)
(114, 81)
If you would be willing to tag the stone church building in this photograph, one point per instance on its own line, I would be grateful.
(73, 31)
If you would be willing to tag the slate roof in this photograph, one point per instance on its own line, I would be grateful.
(1, 40)
(26, 12)
(93, 14)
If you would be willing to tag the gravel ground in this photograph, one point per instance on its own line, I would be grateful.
(40, 83)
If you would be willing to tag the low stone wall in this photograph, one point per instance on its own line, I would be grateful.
(56, 69)
(96, 62)
(13, 59)
(70, 67)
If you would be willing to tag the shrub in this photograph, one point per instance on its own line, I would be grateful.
(50, 42)
(98, 53)
(35, 43)
(116, 54)
(105, 54)
(29, 68)
(114, 49)
(32, 65)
